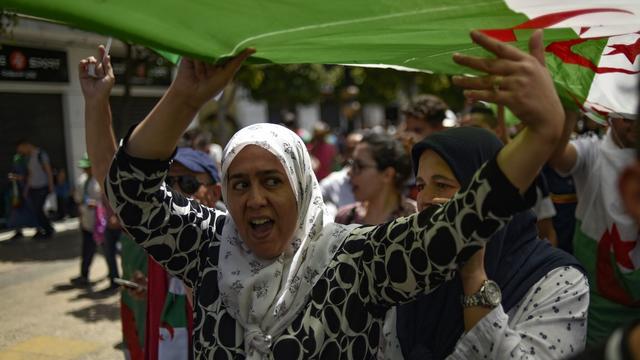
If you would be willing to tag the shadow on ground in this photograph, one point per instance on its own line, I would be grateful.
(62, 246)
(67, 286)
(100, 311)
(94, 294)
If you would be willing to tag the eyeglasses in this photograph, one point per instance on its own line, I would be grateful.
(189, 184)
(357, 166)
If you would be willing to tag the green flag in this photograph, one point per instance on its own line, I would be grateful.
(408, 34)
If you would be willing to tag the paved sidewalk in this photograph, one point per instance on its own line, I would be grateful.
(41, 315)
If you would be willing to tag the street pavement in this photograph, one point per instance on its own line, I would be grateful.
(43, 317)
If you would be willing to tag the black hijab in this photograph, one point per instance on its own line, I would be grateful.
(515, 257)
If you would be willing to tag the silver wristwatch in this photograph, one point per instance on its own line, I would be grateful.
(489, 295)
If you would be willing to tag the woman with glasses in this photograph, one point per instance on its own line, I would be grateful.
(379, 169)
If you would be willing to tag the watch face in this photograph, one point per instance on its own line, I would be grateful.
(492, 293)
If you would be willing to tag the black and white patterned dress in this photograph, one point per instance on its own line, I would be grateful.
(375, 268)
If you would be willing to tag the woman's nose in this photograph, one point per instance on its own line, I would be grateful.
(257, 197)
(424, 199)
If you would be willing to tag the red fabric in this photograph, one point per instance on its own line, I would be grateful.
(190, 328)
(608, 284)
(129, 333)
(325, 153)
(157, 289)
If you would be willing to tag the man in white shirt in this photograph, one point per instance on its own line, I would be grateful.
(606, 237)
(336, 187)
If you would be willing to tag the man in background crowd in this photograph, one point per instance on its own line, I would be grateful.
(606, 237)
(39, 185)
(424, 117)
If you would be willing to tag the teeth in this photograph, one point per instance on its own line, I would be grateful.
(259, 221)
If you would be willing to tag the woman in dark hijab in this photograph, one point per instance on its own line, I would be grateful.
(544, 294)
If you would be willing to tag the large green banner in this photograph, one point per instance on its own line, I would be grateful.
(406, 34)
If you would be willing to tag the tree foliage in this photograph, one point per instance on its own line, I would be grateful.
(284, 86)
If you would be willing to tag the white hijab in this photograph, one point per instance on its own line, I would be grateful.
(265, 296)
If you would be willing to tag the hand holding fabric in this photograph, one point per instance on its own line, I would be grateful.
(99, 87)
(197, 81)
(516, 79)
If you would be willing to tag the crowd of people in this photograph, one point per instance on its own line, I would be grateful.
(478, 241)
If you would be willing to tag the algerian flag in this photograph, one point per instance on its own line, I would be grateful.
(615, 82)
(408, 34)
(597, 69)
(174, 335)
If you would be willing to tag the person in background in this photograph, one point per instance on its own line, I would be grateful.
(170, 302)
(336, 187)
(482, 116)
(39, 184)
(623, 342)
(322, 152)
(63, 193)
(93, 222)
(540, 294)
(20, 213)
(545, 211)
(563, 195)
(378, 170)
(424, 117)
(606, 237)
(290, 120)
(562, 192)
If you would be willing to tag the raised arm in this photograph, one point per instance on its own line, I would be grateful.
(197, 82)
(99, 137)
(169, 226)
(416, 254)
(423, 251)
(521, 82)
(565, 156)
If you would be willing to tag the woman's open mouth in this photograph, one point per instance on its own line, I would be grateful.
(261, 227)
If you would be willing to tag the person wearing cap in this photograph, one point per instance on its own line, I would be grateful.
(606, 237)
(193, 173)
(88, 196)
(169, 301)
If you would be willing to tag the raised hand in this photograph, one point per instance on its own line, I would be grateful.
(197, 81)
(516, 79)
(99, 87)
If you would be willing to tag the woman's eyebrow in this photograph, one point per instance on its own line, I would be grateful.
(237, 176)
(269, 172)
(262, 173)
(441, 178)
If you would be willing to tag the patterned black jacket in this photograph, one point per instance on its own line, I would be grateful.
(376, 267)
